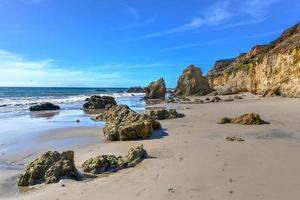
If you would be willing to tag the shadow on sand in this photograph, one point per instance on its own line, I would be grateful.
(158, 134)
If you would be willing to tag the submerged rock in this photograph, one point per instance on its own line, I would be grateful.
(246, 119)
(122, 123)
(44, 106)
(160, 114)
(135, 90)
(99, 102)
(191, 82)
(48, 168)
(111, 163)
(156, 90)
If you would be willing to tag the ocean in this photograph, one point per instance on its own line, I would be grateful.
(22, 130)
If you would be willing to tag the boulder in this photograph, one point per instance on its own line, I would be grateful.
(156, 89)
(98, 102)
(122, 123)
(135, 90)
(246, 119)
(44, 106)
(161, 113)
(48, 168)
(226, 90)
(191, 82)
(111, 163)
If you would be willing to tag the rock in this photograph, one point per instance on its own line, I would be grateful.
(122, 123)
(246, 119)
(44, 106)
(103, 163)
(229, 99)
(216, 99)
(135, 90)
(234, 138)
(160, 114)
(268, 70)
(111, 163)
(156, 90)
(48, 168)
(226, 90)
(237, 97)
(98, 102)
(191, 82)
(135, 156)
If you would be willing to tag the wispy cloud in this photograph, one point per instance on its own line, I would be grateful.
(135, 25)
(16, 70)
(219, 42)
(220, 13)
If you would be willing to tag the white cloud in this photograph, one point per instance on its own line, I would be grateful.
(220, 13)
(15, 70)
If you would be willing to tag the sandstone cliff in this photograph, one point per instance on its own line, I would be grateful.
(191, 82)
(269, 70)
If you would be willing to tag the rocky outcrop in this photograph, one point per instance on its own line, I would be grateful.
(135, 90)
(44, 107)
(98, 102)
(48, 168)
(111, 163)
(268, 70)
(122, 123)
(246, 119)
(161, 113)
(191, 82)
(156, 90)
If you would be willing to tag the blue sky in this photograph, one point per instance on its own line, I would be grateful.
(121, 43)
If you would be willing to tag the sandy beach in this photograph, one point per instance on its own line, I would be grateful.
(190, 159)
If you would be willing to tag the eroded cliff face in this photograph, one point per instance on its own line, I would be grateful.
(269, 70)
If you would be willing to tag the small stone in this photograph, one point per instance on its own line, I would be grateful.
(171, 190)
(234, 138)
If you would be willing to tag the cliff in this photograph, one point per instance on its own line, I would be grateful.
(269, 70)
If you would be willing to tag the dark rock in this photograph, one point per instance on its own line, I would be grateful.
(234, 138)
(122, 123)
(156, 90)
(99, 102)
(48, 168)
(135, 90)
(44, 106)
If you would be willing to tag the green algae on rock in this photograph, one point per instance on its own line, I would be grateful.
(48, 168)
(111, 163)
(245, 119)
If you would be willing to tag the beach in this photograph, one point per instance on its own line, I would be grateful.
(189, 157)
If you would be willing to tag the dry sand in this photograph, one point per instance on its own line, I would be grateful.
(190, 158)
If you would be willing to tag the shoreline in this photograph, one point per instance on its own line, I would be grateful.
(190, 158)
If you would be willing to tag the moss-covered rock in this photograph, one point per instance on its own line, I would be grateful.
(161, 113)
(122, 123)
(245, 119)
(48, 168)
(111, 163)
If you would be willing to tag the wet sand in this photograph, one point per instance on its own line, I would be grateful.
(190, 158)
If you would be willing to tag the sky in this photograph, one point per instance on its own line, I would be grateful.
(122, 43)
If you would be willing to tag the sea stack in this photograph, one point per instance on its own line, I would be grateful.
(156, 89)
(191, 82)
(268, 70)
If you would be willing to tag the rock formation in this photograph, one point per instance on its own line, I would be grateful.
(98, 102)
(135, 90)
(191, 82)
(48, 168)
(268, 70)
(111, 163)
(161, 113)
(44, 106)
(246, 119)
(156, 89)
(122, 123)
